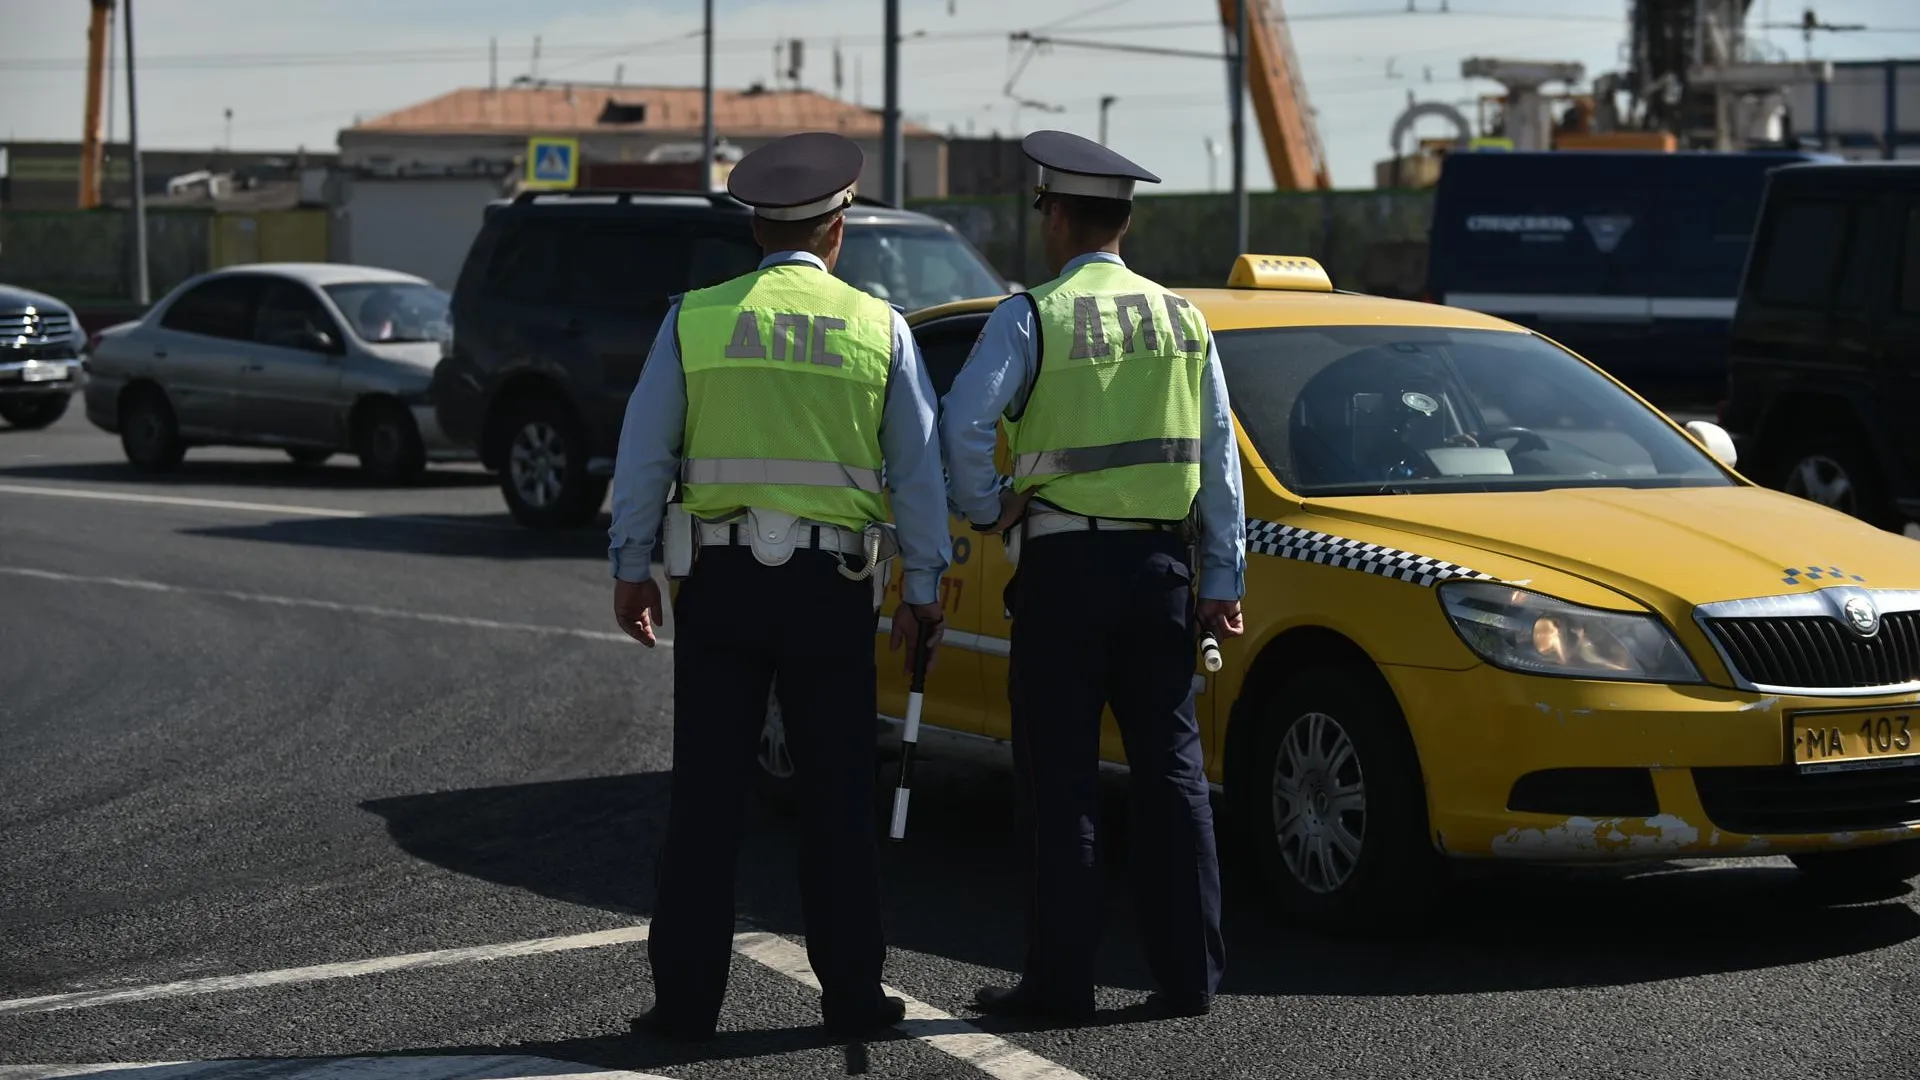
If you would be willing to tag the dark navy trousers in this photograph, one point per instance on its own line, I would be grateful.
(741, 623)
(1106, 619)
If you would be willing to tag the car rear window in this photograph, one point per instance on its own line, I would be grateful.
(1360, 410)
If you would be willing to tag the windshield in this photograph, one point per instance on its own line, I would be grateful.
(1359, 410)
(914, 266)
(393, 310)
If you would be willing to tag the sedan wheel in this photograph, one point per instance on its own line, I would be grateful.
(1329, 786)
(773, 777)
(1319, 803)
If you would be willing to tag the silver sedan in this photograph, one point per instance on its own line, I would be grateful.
(312, 358)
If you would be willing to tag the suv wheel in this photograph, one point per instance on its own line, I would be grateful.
(30, 412)
(1828, 468)
(545, 479)
(149, 434)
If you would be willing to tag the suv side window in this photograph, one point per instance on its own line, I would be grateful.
(222, 308)
(290, 315)
(1804, 244)
(526, 262)
(625, 268)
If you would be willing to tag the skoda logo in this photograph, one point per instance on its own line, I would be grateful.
(1862, 616)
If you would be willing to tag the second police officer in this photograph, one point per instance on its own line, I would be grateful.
(1121, 434)
(786, 402)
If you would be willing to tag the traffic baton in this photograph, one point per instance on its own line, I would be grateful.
(910, 738)
(1210, 652)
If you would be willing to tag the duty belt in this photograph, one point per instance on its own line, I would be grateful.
(812, 537)
(1041, 522)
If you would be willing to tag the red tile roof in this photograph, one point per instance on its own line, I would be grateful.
(578, 109)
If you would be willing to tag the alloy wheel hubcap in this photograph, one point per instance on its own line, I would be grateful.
(538, 460)
(1319, 802)
(1821, 479)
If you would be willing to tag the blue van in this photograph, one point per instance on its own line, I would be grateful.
(1631, 259)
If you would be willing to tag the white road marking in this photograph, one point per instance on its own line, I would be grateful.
(399, 1067)
(324, 605)
(351, 969)
(251, 507)
(941, 1030)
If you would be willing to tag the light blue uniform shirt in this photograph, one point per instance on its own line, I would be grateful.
(651, 436)
(996, 381)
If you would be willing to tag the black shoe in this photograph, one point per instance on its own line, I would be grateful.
(1162, 1003)
(656, 1023)
(889, 1012)
(1021, 1002)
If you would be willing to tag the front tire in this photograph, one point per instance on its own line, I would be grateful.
(544, 479)
(387, 442)
(1334, 806)
(31, 412)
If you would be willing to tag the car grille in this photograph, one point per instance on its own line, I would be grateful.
(1780, 799)
(1816, 652)
(35, 326)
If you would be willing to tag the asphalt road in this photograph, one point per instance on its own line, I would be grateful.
(255, 719)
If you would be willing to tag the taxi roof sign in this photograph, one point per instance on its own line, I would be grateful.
(552, 162)
(1294, 273)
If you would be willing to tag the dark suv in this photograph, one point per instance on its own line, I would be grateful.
(40, 364)
(562, 295)
(1824, 374)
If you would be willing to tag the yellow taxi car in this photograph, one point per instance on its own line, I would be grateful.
(1499, 607)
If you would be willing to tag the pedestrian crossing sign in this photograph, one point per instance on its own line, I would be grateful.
(552, 163)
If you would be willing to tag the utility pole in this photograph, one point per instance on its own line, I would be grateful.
(142, 292)
(1106, 102)
(92, 137)
(890, 144)
(1239, 68)
(706, 108)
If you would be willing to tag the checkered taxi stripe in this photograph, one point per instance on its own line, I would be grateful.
(1305, 545)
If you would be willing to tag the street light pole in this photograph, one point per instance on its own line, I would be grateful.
(1106, 102)
(1239, 91)
(142, 291)
(890, 142)
(706, 108)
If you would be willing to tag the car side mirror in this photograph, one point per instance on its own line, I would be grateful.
(1715, 439)
(314, 341)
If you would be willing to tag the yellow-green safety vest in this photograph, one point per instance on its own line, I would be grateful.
(786, 371)
(1111, 426)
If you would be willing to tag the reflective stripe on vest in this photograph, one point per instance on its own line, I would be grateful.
(778, 471)
(786, 373)
(1111, 427)
(1087, 459)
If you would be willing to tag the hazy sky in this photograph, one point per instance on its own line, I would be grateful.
(295, 73)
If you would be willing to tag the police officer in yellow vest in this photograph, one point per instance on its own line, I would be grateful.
(1123, 463)
(788, 404)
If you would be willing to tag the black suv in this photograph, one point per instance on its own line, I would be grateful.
(1824, 375)
(40, 364)
(562, 295)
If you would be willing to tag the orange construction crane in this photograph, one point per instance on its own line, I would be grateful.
(93, 141)
(1279, 94)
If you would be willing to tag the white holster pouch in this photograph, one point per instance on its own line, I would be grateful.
(679, 541)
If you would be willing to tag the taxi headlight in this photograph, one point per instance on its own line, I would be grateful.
(1527, 632)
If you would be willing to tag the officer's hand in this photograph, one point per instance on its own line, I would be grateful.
(1222, 617)
(636, 605)
(1012, 505)
(906, 631)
